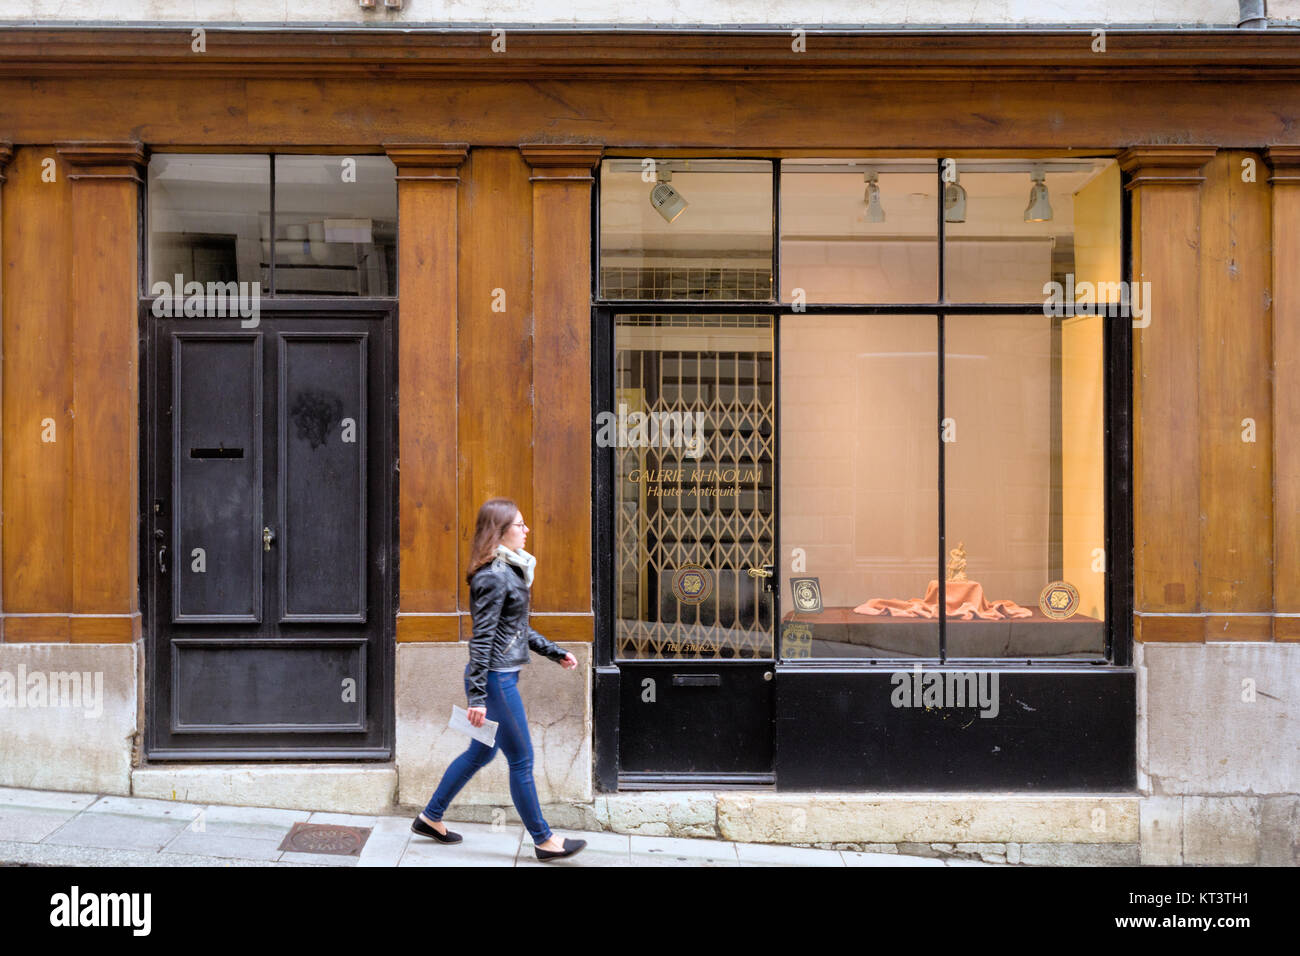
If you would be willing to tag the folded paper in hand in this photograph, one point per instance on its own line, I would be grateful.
(486, 735)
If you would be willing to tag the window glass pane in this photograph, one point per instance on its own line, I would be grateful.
(859, 486)
(996, 255)
(837, 246)
(1024, 486)
(335, 225)
(718, 244)
(207, 217)
(693, 516)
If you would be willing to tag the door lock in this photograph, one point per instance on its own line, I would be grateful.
(766, 573)
(267, 537)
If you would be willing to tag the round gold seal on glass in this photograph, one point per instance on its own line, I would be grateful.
(1059, 600)
(692, 584)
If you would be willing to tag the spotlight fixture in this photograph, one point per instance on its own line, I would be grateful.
(954, 200)
(875, 212)
(668, 202)
(1039, 209)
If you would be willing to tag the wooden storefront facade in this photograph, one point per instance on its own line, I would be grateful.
(501, 359)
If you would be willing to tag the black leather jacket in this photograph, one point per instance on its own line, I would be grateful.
(498, 602)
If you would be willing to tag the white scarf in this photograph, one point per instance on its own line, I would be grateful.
(520, 559)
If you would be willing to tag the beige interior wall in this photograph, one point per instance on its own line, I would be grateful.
(998, 468)
(1097, 229)
(1082, 473)
(904, 270)
(859, 463)
(859, 466)
(1097, 259)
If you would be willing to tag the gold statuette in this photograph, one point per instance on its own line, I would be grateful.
(957, 563)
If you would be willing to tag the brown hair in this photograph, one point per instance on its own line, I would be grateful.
(494, 518)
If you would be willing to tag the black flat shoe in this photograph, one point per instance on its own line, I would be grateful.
(570, 847)
(422, 828)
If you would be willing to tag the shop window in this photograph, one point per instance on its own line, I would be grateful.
(205, 216)
(859, 231)
(686, 229)
(298, 225)
(1024, 485)
(923, 441)
(1027, 224)
(859, 480)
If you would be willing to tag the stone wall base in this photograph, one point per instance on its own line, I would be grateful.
(1046, 830)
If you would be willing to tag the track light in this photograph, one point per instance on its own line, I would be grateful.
(875, 212)
(668, 202)
(954, 200)
(1039, 209)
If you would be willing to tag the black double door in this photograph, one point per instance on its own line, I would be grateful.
(268, 541)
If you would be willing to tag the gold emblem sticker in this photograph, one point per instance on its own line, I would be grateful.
(692, 584)
(1059, 600)
(807, 594)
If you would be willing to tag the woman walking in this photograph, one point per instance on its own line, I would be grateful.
(500, 576)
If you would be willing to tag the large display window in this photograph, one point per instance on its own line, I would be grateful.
(904, 453)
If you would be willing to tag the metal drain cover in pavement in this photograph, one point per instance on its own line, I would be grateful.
(325, 838)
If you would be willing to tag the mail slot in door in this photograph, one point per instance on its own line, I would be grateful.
(697, 680)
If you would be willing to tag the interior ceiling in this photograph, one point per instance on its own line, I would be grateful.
(729, 210)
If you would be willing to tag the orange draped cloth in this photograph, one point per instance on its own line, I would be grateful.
(965, 599)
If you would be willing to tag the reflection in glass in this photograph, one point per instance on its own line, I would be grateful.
(692, 429)
(335, 226)
(1024, 485)
(859, 484)
(836, 246)
(207, 214)
(709, 238)
(1016, 237)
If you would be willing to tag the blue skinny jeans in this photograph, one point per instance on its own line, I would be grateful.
(504, 706)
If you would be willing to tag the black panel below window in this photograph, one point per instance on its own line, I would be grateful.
(1055, 729)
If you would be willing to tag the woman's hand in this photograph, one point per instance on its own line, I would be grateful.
(477, 715)
(569, 662)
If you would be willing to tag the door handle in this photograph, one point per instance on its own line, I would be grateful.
(267, 537)
(766, 573)
(162, 559)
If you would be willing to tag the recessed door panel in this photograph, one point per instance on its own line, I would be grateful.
(216, 422)
(233, 689)
(322, 432)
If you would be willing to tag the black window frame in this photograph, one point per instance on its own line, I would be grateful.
(1117, 419)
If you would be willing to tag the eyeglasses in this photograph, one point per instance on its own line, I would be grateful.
(518, 524)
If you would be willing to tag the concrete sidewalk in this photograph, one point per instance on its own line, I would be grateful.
(40, 827)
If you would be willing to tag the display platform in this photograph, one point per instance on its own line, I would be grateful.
(842, 632)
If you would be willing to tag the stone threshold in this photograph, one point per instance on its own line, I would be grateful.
(363, 788)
